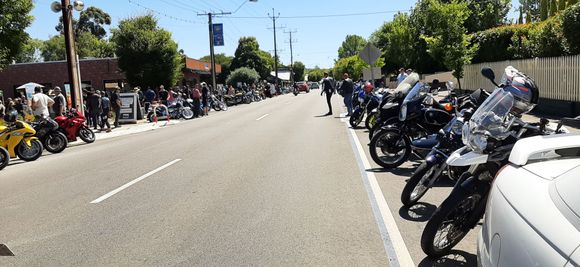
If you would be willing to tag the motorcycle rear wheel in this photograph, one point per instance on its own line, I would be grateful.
(390, 142)
(416, 187)
(355, 119)
(4, 158)
(187, 114)
(86, 134)
(29, 153)
(55, 142)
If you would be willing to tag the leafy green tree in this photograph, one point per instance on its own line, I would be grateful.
(316, 74)
(248, 55)
(53, 49)
(351, 46)
(31, 52)
(298, 69)
(531, 9)
(561, 5)
(14, 19)
(268, 61)
(486, 14)
(91, 20)
(553, 7)
(89, 45)
(243, 75)
(225, 62)
(395, 39)
(570, 26)
(544, 9)
(352, 65)
(147, 53)
(448, 41)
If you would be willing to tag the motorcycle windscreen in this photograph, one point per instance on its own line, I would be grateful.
(491, 116)
(417, 92)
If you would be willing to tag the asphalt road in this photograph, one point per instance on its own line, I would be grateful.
(270, 183)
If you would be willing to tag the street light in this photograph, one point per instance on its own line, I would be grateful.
(66, 8)
(211, 46)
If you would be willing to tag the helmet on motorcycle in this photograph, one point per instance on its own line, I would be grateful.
(10, 116)
(524, 90)
(368, 87)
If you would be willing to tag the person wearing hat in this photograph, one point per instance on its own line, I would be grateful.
(59, 105)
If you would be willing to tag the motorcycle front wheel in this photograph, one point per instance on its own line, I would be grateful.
(187, 113)
(371, 120)
(29, 153)
(418, 184)
(4, 158)
(377, 127)
(223, 106)
(356, 118)
(86, 134)
(390, 148)
(55, 142)
(451, 222)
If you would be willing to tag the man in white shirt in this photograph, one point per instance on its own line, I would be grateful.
(402, 75)
(41, 103)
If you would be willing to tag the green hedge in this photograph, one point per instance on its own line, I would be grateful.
(557, 36)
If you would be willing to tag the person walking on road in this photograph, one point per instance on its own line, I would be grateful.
(346, 89)
(116, 104)
(328, 89)
(41, 103)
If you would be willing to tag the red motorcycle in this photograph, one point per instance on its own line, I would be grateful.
(73, 125)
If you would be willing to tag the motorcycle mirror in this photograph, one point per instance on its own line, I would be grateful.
(489, 74)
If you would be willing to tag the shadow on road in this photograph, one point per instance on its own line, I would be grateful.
(322, 116)
(455, 258)
(378, 170)
(420, 212)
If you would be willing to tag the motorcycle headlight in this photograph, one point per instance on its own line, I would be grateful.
(457, 127)
(478, 142)
(403, 113)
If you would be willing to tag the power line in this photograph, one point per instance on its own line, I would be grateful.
(327, 15)
(164, 14)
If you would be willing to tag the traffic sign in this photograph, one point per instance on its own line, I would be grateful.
(370, 54)
(218, 34)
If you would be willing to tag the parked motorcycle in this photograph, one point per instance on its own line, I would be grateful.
(47, 131)
(448, 140)
(420, 117)
(366, 102)
(217, 104)
(73, 125)
(175, 111)
(17, 138)
(489, 138)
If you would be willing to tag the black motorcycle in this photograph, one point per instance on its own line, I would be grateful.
(47, 131)
(449, 140)
(420, 117)
(176, 111)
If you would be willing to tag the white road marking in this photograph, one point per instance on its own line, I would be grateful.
(123, 187)
(264, 116)
(395, 247)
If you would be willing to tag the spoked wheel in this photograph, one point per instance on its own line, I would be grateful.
(4, 158)
(216, 107)
(29, 153)
(356, 118)
(450, 223)
(187, 113)
(377, 127)
(86, 134)
(390, 148)
(55, 142)
(418, 184)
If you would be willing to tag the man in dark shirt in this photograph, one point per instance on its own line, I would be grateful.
(59, 105)
(328, 89)
(94, 107)
(106, 108)
(346, 89)
(116, 104)
(163, 95)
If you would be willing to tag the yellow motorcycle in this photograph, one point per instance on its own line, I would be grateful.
(19, 140)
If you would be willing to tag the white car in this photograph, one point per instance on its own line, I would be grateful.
(533, 210)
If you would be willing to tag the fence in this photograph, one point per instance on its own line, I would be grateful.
(558, 77)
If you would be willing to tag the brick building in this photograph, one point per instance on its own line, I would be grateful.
(102, 73)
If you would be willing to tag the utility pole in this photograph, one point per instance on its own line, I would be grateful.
(274, 17)
(291, 55)
(211, 46)
(71, 55)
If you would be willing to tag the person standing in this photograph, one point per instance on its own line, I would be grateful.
(149, 98)
(116, 104)
(205, 98)
(196, 96)
(94, 107)
(59, 102)
(402, 75)
(328, 89)
(346, 89)
(2, 109)
(41, 103)
(106, 109)
(163, 95)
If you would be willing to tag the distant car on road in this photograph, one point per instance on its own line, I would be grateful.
(533, 211)
(303, 87)
(314, 85)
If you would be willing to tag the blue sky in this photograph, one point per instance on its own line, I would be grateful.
(317, 38)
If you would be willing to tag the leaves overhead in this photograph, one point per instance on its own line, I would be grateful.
(298, 69)
(351, 46)
(14, 19)
(92, 20)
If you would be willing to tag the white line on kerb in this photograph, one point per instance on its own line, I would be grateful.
(395, 247)
(263, 116)
(123, 187)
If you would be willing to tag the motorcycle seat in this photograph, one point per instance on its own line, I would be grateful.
(425, 143)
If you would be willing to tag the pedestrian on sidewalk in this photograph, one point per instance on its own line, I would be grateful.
(328, 89)
(116, 104)
(163, 95)
(94, 107)
(346, 89)
(205, 98)
(59, 102)
(196, 96)
(106, 109)
(149, 98)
